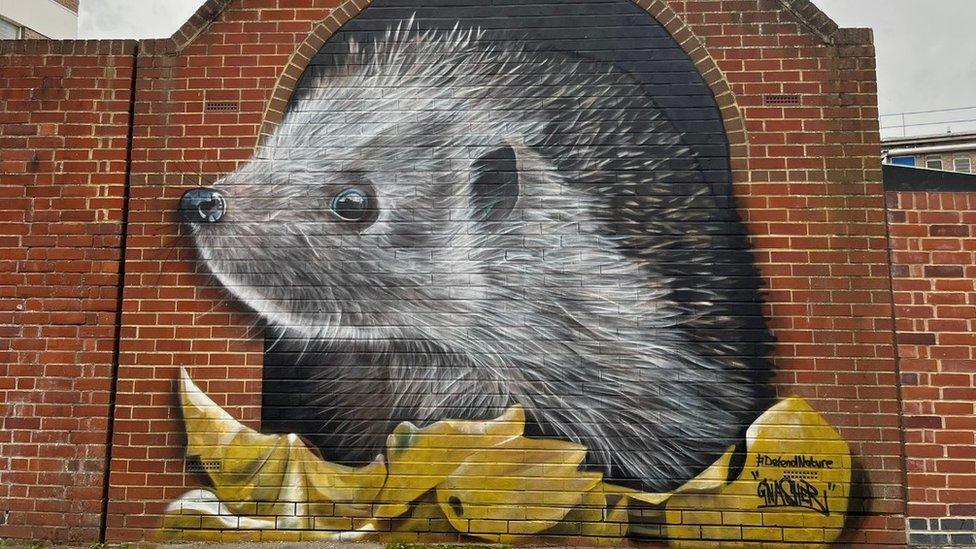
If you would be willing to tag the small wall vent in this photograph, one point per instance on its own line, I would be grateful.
(197, 465)
(781, 100)
(221, 106)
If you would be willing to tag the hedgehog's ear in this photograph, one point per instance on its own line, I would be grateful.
(494, 185)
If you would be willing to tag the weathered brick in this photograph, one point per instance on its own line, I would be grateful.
(944, 381)
(806, 182)
(60, 280)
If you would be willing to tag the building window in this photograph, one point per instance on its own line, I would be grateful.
(933, 162)
(9, 31)
(903, 160)
(962, 163)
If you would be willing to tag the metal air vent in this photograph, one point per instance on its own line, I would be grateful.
(197, 465)
(222, 106)
(781, 100)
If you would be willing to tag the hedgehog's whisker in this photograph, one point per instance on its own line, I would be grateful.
(252, 330)
(198, 316)
(308, 341)
(189, 168)
(171, 249)
(281, 335)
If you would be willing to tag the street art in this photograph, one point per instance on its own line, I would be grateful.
(487, 480)
(507, 293)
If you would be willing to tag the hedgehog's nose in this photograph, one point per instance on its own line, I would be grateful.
(203, 206)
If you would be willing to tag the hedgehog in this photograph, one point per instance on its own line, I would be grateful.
(446, 224)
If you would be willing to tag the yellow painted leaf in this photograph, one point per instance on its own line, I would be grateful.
(202, 509)
(595, 517)
(713, 478)
(484, 479)
(647, 497)
(274, 474)
(521, 487)
(424, 518)
(419, 459)
(795, 484)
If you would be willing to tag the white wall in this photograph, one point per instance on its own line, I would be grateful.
(44, 16)
(133, 18)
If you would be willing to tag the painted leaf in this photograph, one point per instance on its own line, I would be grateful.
(484, 479)
(275, 475)
(794, 487)
(595, 517)
(419, 459)
(521, 487)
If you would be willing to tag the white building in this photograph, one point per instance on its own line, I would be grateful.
(947, 152)
(38, 19)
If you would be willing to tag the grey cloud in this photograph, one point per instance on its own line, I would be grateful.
(926, 59)
(926, 54)
(133, 18)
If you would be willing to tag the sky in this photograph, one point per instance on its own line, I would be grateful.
(926, 51)
(926, 60)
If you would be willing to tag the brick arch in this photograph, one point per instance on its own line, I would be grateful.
(692, 45)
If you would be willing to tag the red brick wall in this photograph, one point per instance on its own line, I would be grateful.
(64, 117)
(70, 4)
(811, 194)
(174, 317)
(808, 181)
(31, 34)
(806, 177)
(933, 241)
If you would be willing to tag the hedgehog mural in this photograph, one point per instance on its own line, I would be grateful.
(452, 230)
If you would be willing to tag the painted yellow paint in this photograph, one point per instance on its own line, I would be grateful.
(794, 487)
(484, 479)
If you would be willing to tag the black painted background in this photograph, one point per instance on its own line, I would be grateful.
(610, 30)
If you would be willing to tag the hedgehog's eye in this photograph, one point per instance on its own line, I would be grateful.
(352, 205)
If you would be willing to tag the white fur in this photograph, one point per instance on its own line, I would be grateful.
(460, 317)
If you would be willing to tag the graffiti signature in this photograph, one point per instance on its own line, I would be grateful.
(792, 492)
(805, 462)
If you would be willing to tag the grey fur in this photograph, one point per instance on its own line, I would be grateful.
(602, 303)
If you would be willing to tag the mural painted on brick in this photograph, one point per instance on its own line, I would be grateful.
(507, 293)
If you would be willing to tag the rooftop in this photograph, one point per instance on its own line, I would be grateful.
(942, 138)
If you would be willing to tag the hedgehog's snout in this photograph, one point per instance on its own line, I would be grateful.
(203, 205)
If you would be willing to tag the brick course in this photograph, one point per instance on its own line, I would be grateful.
(806, 177)
(932, 250)
(828, 213)
(70, 4)
(63, 138)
